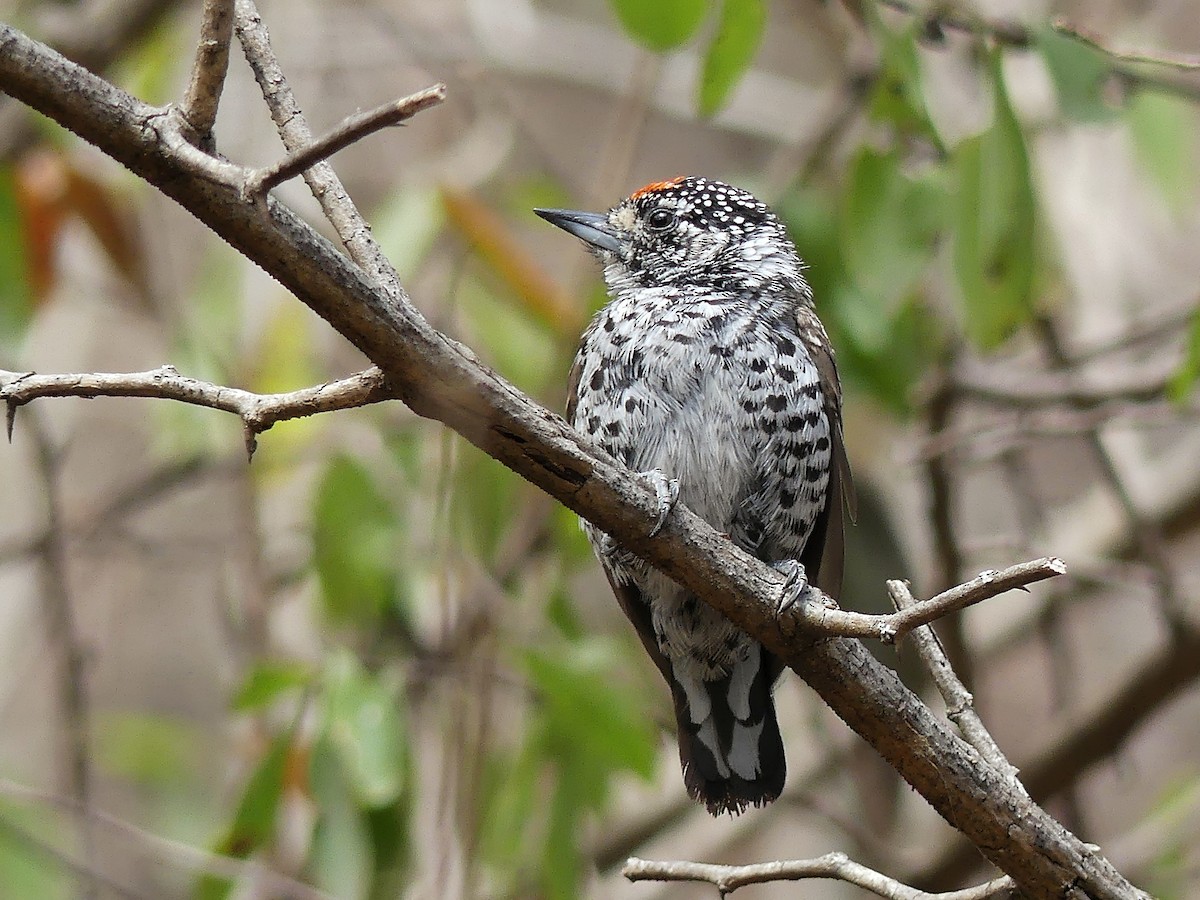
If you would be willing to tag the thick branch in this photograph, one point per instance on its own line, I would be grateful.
(838, 866)
(1062, 389)
(441, 379)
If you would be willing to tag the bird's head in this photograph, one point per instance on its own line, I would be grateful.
(689, 232)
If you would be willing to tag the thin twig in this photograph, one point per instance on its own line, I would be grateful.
(820, 619)
(948, 561)
(321, 179)
(16, 834)
(960, 704)
(258, 412)
(838, 866)
(186, 856)
(1146, 533)
(985, 442)
(63, 633)
(204, 88)
(946, 16)
(1096, 42)
(1130, 68)
(352, 128)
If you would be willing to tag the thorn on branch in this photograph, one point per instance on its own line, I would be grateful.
(352, 129)
(250, 436)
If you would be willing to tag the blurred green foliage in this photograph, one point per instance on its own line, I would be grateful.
(731, 51)
(917, 245)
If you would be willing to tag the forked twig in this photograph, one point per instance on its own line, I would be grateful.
(353, 128)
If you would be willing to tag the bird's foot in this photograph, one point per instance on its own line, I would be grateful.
(796, 587)
(616, 558)
(667, 491)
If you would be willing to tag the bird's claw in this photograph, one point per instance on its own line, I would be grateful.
(666, 490)
(796, 587)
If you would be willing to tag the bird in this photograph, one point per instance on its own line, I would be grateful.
(709, 373)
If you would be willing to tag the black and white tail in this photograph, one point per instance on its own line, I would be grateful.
(729, 741)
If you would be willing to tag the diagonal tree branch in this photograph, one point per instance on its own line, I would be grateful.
(441, 379)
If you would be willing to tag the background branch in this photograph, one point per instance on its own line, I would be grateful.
(838, 866)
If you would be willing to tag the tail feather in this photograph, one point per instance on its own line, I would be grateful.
(729, 741)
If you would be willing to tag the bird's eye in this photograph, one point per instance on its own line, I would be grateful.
(660, 219)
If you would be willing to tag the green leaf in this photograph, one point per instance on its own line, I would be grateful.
(354, 544)
(363, 724)
(510, 338)
(562, 856)
(588, 708)
(24, 871)
(254, 822)
(731, 52)
(1164, 130)
(560, 612)
(484, 504)
(267, 681)
(509, 789)
(152, 749)
(661, 25)
(1183, 382)
(898, 96)
(994, 225)
(406, 226)
(884, 340)
(341, 859)
(1079, 73)
(889, 227)
(886, 361)
(16, 293)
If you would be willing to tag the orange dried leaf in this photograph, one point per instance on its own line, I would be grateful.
(490, 237)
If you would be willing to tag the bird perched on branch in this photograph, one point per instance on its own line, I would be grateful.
(710, 374)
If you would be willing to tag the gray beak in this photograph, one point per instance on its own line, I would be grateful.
(591, 228)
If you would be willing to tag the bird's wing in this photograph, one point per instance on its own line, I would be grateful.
(823, 555)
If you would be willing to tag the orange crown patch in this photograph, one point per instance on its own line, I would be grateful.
(657, 186)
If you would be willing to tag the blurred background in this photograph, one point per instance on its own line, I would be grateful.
(375, 663)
